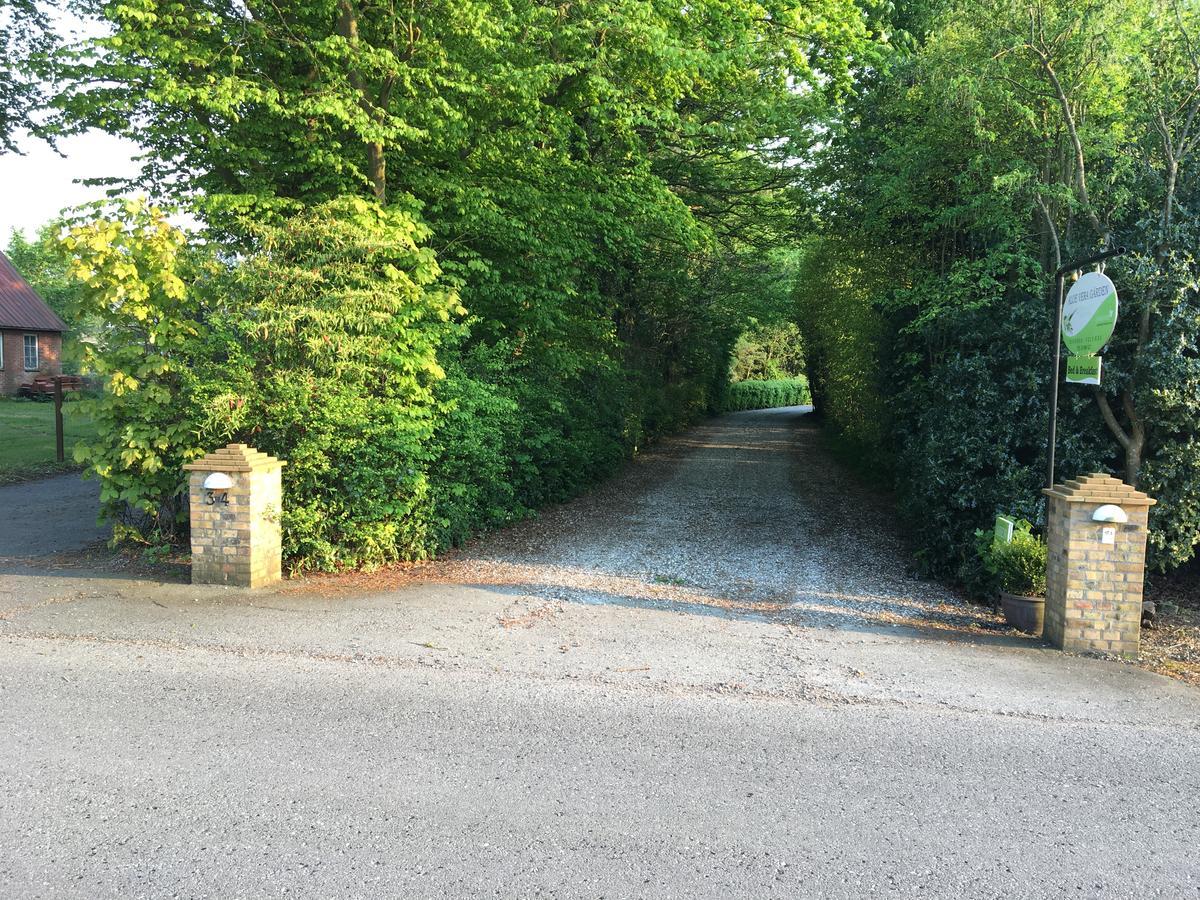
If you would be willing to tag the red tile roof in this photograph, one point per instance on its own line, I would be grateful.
(20, 306)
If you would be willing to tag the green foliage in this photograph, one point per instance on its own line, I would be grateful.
(766, 352)
(923, 298)
(323, 352)
(766, 394)
(319, 347)
(26, 37)
(129, 261)
(1014, 567)
(604, 186)
(474, 459)
(844, 356)
(1166, 382)
(614, 189)
(40, 263)
(602, 179)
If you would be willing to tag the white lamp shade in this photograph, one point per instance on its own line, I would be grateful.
(218, 481)
(1110, 513)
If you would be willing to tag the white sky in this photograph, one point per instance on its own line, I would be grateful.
(36, 186)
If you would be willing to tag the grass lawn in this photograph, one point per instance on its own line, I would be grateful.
(27, 438)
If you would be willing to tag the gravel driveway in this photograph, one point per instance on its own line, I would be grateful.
(747, 513)
(710, 678)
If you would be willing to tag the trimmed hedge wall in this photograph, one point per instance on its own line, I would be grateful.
(742, 395)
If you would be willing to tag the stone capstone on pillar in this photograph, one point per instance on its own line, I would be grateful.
(1095, 569)
(235, 517)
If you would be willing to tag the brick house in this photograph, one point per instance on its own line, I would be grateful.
(30, 332)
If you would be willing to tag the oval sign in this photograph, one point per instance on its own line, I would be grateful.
(1090, 314)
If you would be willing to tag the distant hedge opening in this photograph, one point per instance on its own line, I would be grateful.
(741, 395)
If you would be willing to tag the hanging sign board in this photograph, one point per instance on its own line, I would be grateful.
(1083, 369)
(1089, 314)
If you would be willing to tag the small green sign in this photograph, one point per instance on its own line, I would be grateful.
(1089, 314)
(1083, 369)
(1004, 529)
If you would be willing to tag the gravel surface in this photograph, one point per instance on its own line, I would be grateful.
(599, 703)
(747, 512)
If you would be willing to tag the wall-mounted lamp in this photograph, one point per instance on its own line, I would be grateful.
(1110, 513)
(216, 489)
(218, 481)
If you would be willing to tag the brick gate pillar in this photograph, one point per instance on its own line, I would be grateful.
(236, 496)
(1095, 569)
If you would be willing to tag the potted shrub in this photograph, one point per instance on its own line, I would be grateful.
(1017, 571)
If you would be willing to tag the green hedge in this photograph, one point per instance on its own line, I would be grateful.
(742, 395)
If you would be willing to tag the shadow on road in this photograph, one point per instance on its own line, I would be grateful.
(951, 625)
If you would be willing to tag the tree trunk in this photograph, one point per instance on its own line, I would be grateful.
(347, 27)
(1169, 198)
(1133, 462)
(377, 170)
(1133, 441)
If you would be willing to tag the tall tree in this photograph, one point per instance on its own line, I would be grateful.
(581, 164)
(602, 181)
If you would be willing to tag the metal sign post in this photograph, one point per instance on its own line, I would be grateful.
(1059, 281)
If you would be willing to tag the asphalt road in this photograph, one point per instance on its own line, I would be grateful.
(418, 739)
(52, 515)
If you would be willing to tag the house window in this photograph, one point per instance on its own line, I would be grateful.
(31, 353)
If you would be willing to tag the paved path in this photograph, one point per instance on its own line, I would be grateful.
(587, 718)
(53, 515)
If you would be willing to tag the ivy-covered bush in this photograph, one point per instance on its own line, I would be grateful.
(959, 181)
(971, 442)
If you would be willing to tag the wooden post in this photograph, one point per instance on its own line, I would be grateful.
(58, 420)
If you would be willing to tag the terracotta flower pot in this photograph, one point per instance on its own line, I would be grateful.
(1024, 613)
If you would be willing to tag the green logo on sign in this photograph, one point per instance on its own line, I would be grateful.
(1090, 314)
